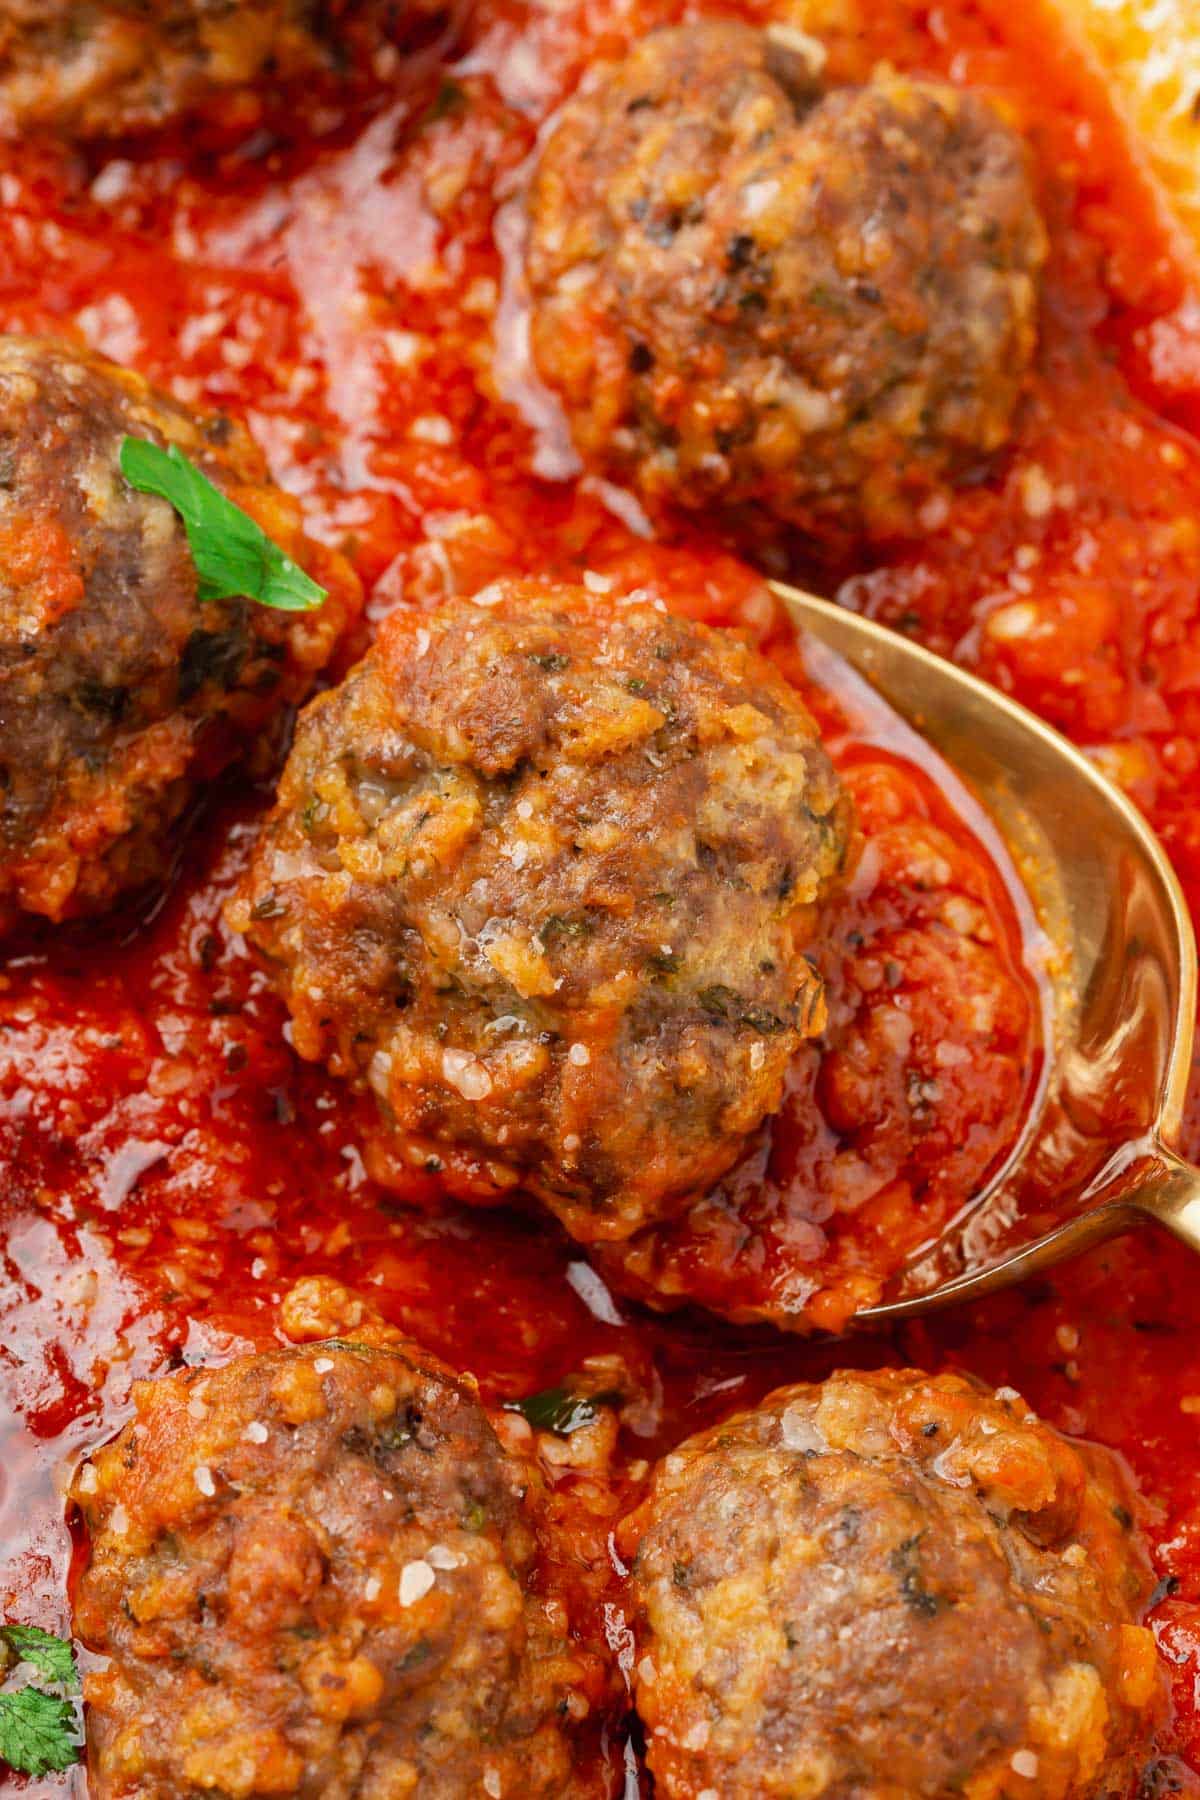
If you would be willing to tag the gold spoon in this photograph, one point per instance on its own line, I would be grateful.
(1095, 1156)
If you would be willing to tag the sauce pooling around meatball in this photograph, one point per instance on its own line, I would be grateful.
(753, 296)
(890, 1584)
(121, 692)
(542, 872)
(312, 1572)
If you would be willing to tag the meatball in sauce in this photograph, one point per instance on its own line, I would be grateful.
(121, 692)
(755, 296)
(100, 68)
(312, 1572)
(908, 1102)
(542, 872)
(890, 1584)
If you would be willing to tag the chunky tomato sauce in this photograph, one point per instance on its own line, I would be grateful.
(167, 1167)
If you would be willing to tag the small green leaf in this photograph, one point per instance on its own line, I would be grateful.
(447, 103)
(234, 557)
(559, 1410)
(51, 1656)
(37, 1732)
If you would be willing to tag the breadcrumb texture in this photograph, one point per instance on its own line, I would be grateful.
(99, 68)
(312, 1573)
(751, 292)
(542, 874)
(121, 692)
(890, 1584)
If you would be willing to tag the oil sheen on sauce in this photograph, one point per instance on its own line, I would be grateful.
(166, 1166)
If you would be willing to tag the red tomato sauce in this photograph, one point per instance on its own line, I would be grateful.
(924, 1072)
(167, 1166)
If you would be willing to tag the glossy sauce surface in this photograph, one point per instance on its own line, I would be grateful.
(167, 1165)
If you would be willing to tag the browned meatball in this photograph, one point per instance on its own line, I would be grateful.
(120, 691)
(312, 1573)
(91, 68)
(891, 1585)
(541, 872)
(753, 297)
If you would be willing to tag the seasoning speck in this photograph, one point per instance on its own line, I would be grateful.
(466, 1074)
(416, 1579)
(440, 1556)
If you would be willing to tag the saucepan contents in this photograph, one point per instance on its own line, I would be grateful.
(480, 1002)
(572, 886)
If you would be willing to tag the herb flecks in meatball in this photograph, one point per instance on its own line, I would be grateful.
(542, 873)
(750, 295)
(121, 692)
(891, 1584)
(900, 1114)
(100, 68)
(311, 1573)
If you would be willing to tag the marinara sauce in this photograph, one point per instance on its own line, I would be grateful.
(348, 285)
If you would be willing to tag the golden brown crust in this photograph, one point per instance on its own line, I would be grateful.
(311, 1572)
(99, 68)
(890, 1585)
(752, 295)
(542, 873)
(120, 691)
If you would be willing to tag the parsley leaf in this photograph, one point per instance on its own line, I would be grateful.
(51, 1656)
(559, 1410)
(37, 1732)
(234, 556)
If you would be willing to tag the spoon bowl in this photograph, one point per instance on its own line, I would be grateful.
(1097, 1155)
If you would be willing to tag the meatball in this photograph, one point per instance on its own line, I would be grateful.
(311, 1573)
(894, 1124)
(121, 692)
(541, 873)
(752, 296)
(890, 1584)
(97, 68)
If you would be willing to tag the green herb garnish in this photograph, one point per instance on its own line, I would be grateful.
(559, 1410)
(234, 557)
(447, 103)
(51, 1656)
(39, 1732)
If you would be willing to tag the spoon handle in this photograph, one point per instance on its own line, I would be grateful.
(1170, 1194)
(1072, 1238)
